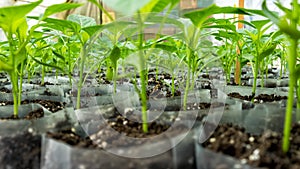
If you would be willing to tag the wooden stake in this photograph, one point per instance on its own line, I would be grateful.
(237, 72)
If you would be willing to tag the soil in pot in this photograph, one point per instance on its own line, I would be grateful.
(104, 140)
(256, 150)
(52, 106)
(22, 151)
(260, 98)
(35, 114)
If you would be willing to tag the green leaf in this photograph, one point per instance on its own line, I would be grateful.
(260, 23)
(58, 55)
(5, 66)
(126, 7)
(227, 35)
(109, 72)
(83, 21)
(56, 8)
(169, 48)
(286, 11)
(11, 17)
(244, 22)
(297, 71)
(198, 17)
(20, 56)
(91, 30)
(228, 27)
(271, 15)
(115, 56)
(46, 64)
(266, 52)
(157, 19)
(22, 30)
(59, 24)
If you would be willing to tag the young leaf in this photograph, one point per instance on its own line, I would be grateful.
(22, 30)
(115, 56)
(46, 64)
(58, 55)
(91, 30)
(260, 23)
(59, 24)
(10, 19)
(271, 15)
(5, 67)
(266, 52)
(83, 21)
(199, 16)
(56, 8)
(297, 71)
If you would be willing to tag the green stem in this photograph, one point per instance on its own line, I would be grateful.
(290, 101)
(43, 75)
(173, 85)
(80, 82)
(142, 75)
(255, 73)
(69, 66)
(187, 83)
(240, 67)
(13, 75)
(115, 78)
(281, 67)
(20, 85)
(14, 81)
(298, 100)
(292, 59)
(254, 80)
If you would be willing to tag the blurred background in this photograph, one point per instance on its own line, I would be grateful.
(89, 9)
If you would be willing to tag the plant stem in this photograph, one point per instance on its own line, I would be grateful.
(20, 85)
(13, 75)
(14, 81)
(43, 75)
(80, 82)
(292, 59)
(115, 78)
(255, 73)
(69, 66)
(187, 84)
(290, 101)
(142, 75)
(173, 85)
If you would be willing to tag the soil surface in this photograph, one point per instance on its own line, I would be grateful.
(258, 151)
(52, 106)
(30, 116)
(130, 127)
(21, 151)
(260, 98)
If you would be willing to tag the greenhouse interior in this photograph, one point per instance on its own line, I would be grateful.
(149, 84)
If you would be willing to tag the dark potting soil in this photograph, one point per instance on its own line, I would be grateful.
(123, 126)
(21, 151)
(260, 98)
(259, 151)
(30, 116)
(52, 106)
(4, 90)
(71, 138)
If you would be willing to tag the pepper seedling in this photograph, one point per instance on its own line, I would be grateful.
(289, 24)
